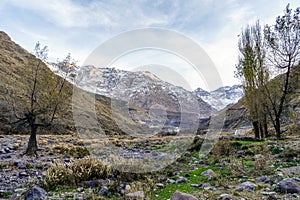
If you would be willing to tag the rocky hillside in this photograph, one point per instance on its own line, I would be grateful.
(16, 78)
(221, 97)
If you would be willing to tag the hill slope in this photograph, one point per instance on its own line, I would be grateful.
(16, 75)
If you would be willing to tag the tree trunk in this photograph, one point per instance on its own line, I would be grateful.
(277, 127)
(32, 143)
(261, 130)
(256, 129)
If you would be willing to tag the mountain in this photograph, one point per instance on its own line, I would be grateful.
(141, 88)
(16, 78)
(221, 97)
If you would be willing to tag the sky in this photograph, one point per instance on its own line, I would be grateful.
(82, 27)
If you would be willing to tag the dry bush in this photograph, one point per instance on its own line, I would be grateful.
(81, 170)
(88, 169)
(290, 154)
(58, 175)
(222, 148)
(236, 168)
(261, 165)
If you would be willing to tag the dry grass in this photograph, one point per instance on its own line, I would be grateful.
(62, 175)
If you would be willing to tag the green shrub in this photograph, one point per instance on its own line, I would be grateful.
(275, 150)
(196, 145)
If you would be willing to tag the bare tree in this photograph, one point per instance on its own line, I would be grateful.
(43, 99)
(283, 44)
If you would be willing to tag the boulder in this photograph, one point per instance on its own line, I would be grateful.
(246, 186)
(182, 196)
(36, 193)
(182, 180)
(287, 186)
(208, 172)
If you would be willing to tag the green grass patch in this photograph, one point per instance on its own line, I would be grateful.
(194, 178)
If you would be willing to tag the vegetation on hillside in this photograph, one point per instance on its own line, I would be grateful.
(262, 55)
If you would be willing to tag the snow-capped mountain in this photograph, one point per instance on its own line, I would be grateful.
(221, 97)
(141, 88)
(148, 91)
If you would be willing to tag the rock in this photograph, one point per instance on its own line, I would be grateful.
(127, 187)
(246, 186)
(268, 193)
(182, 196)
(297, 179)
(139, 195)
(160, 185)
(276, 178)
(195, 185)
(206, 186)
(208, 172)
(90, 184)
(170, 181)
(2, 151)
(20, 164)
(103, 190)
(182, 180)
(287, 186)
(80, 189)
(261, 179)
(15, 146)
(23, 174)
(35, 193)
(225, 196)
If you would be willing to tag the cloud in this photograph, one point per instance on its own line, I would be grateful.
(79, 27)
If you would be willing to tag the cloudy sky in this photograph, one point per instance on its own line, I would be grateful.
(79, 27)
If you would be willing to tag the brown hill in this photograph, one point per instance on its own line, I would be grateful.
(16, 75)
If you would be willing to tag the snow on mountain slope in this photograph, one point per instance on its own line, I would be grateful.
(221, 97)
(141, 88)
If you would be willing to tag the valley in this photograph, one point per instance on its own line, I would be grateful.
(97, 132)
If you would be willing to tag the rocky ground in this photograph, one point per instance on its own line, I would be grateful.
(247, 170)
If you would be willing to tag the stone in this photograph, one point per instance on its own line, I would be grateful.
(160, 185)
(276, 178)
(182, 196)
(90, 184)
(261, 179)
(195, 185)
(246, 186)
(20, 164)
(206, 186)
(287, 186)
(23, 174)
(127, 187)
(208, 172)
(103, 190)
(35, 192)
(182, 180)
(80, 189)
(297, 179)
(171, 181)
(200, 162)
(2, 151)
(225, 196)
(139, 195)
